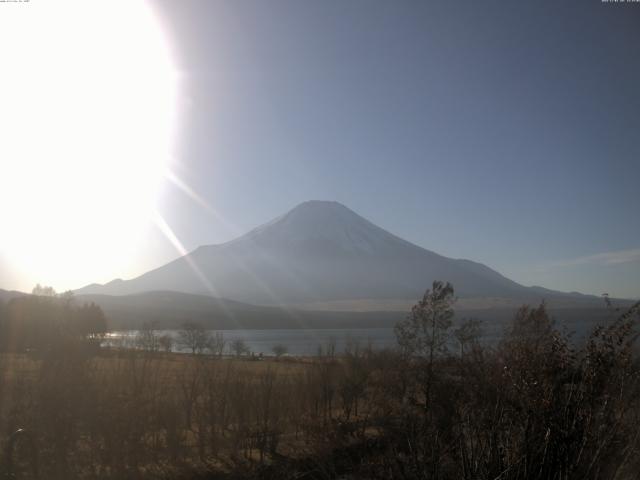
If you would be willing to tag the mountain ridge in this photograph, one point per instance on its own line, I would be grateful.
(319, 251)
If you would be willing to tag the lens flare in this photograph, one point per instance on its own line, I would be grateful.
(87, 115)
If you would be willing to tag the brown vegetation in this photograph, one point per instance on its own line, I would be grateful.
(534, 406)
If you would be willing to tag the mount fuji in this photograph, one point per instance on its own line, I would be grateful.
(318, 252)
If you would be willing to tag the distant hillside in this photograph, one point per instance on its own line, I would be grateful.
(323, 252)
(6, 295)
(168, 310)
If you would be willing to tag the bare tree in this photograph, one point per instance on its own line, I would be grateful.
(165, 342)
(468, 333)
(425, 332)
(147, 337)
(217, 343)
(239, 347)
(194, 337)
(279, 350)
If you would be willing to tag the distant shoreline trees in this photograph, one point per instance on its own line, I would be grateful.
(193, 336)
(46, 320)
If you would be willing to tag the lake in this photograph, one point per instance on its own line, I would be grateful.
(297, 341)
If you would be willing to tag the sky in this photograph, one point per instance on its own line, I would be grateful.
(502, 132)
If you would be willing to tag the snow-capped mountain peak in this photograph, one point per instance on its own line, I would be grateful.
(318, 251)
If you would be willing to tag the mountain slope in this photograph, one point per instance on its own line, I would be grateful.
(319, 251)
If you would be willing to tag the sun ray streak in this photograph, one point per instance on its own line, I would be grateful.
(168, 232)
(193, 195)
(264, 285)
(179, 183)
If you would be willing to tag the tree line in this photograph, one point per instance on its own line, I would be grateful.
(45, 320)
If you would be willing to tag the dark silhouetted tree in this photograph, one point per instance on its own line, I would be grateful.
(425, 332)
(193, 336)
(279, 350)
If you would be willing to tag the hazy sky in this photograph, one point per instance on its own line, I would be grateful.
(499, 131)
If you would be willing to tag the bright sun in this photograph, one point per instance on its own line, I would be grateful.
(87, 92)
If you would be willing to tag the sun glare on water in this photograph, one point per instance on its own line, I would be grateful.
(87, 92)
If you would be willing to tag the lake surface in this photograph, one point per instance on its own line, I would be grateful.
(306, 342)
(298, 342)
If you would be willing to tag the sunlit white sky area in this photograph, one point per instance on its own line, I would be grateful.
(503, 132)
